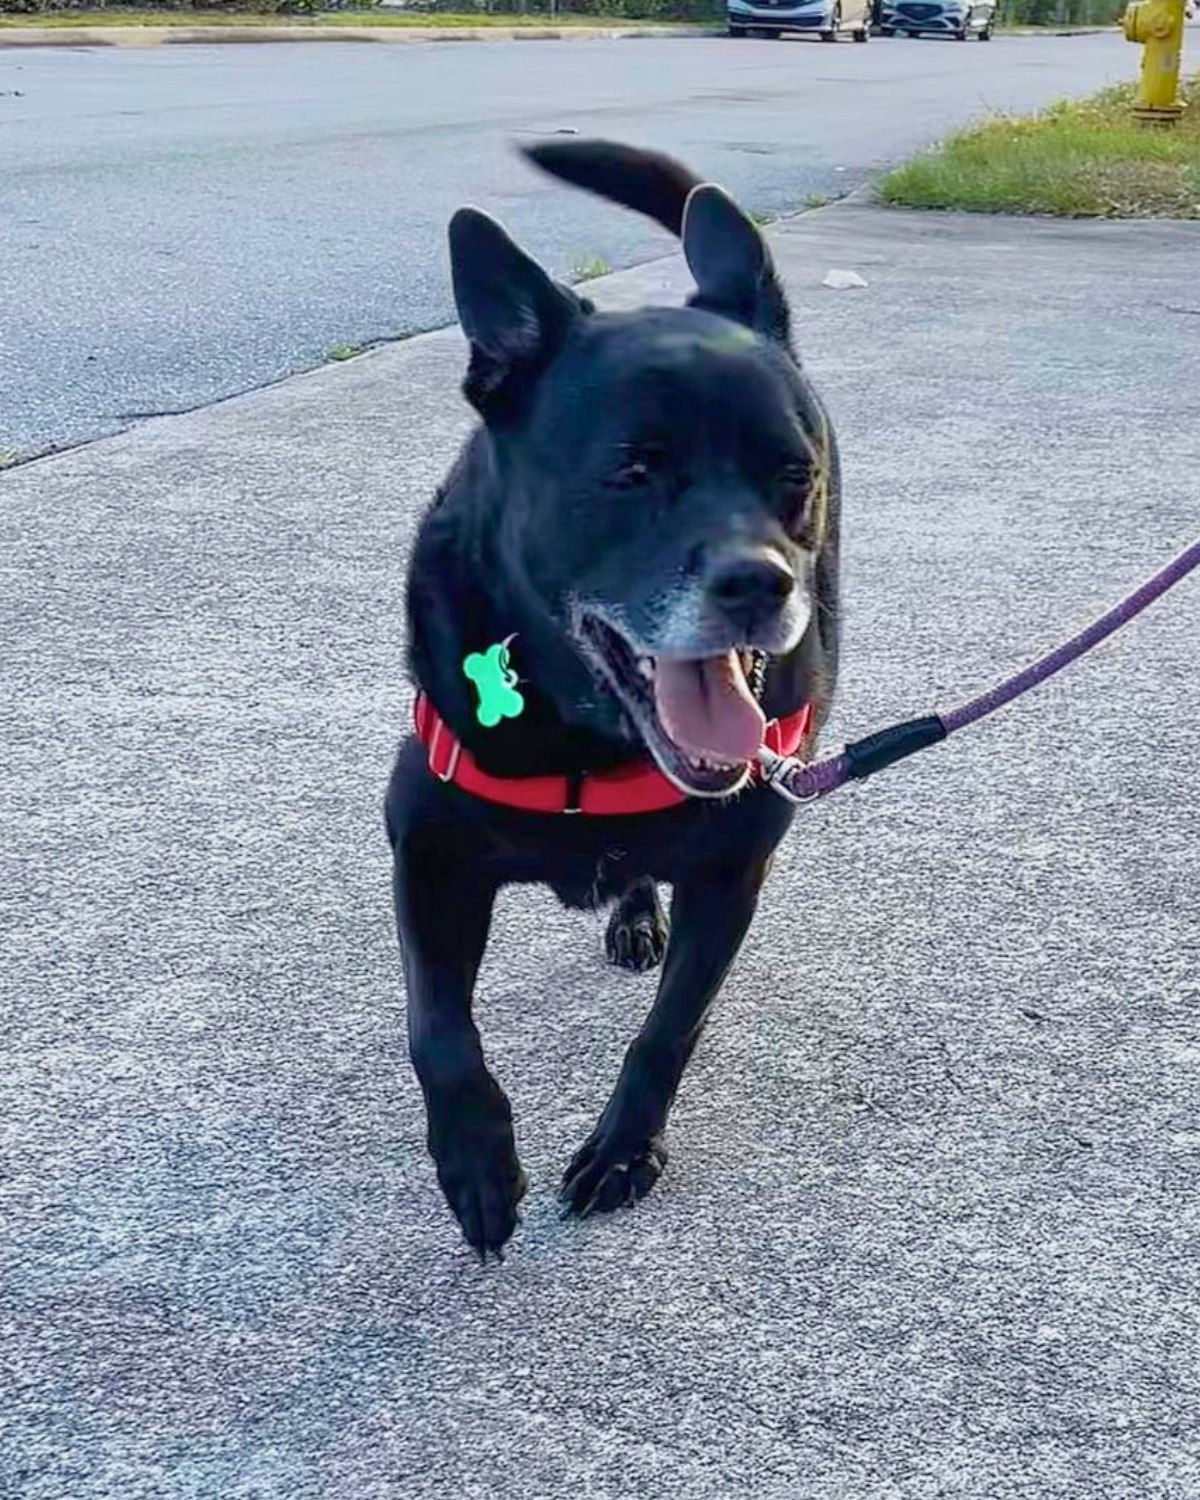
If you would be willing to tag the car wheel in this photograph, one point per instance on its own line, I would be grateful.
(863, 34)
(986, 34)
(836, 19)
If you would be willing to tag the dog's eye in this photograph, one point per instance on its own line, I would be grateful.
(630, 475)
(637, 468)
(795, 488)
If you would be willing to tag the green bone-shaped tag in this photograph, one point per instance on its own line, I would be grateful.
(496, 683)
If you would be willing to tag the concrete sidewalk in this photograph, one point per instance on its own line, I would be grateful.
(930, 1224)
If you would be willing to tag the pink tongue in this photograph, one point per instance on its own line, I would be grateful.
(706, 707)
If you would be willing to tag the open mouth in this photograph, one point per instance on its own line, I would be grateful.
(696, 715)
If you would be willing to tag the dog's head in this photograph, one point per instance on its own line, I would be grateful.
(665, 474)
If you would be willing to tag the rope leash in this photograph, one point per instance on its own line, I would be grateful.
(801, 783)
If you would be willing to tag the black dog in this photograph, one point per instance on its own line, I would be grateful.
(630, 569)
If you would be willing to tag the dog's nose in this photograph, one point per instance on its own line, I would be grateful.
(751, 589)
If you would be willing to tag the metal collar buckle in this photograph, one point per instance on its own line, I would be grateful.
(452, 763)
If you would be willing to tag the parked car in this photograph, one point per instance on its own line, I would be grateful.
(956, 18)
(827, 19)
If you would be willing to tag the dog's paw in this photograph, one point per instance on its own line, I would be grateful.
(636, 938)
(480, 1174)
(605, 1174)
(483, 1185)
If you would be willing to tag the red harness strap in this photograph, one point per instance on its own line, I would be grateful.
(639, 787)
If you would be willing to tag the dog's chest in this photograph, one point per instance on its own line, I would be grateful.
(605, 881)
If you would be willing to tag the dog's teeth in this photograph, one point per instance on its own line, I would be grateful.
(704, 763)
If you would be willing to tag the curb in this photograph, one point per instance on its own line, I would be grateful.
(1055, 31)
(159, 36)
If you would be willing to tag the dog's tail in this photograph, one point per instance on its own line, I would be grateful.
(646, 181)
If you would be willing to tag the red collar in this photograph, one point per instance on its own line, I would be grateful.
(638, 787)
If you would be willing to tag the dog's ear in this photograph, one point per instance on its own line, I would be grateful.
(514, 316)
(732, 264)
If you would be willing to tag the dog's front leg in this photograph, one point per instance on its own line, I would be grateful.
(443, 912)
(624, 1156)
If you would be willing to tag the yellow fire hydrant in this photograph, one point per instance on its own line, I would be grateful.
(1158, 25)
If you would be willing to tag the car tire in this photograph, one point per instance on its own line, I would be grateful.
(863, 34)
(986, 34)
(832, 34)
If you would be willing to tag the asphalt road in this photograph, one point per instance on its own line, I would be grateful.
(180, 224)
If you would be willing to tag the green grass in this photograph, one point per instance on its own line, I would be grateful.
(588, 270)
(1078, 159)
(441, 22)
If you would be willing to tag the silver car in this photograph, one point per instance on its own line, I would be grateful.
(827, 19)
(957, 18)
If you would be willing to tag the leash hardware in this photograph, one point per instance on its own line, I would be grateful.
(773, 768)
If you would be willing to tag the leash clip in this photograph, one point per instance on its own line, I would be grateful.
(774, 769)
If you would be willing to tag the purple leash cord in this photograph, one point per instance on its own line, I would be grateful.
(798, 782)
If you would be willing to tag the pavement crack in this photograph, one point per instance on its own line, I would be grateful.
(145, 416)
